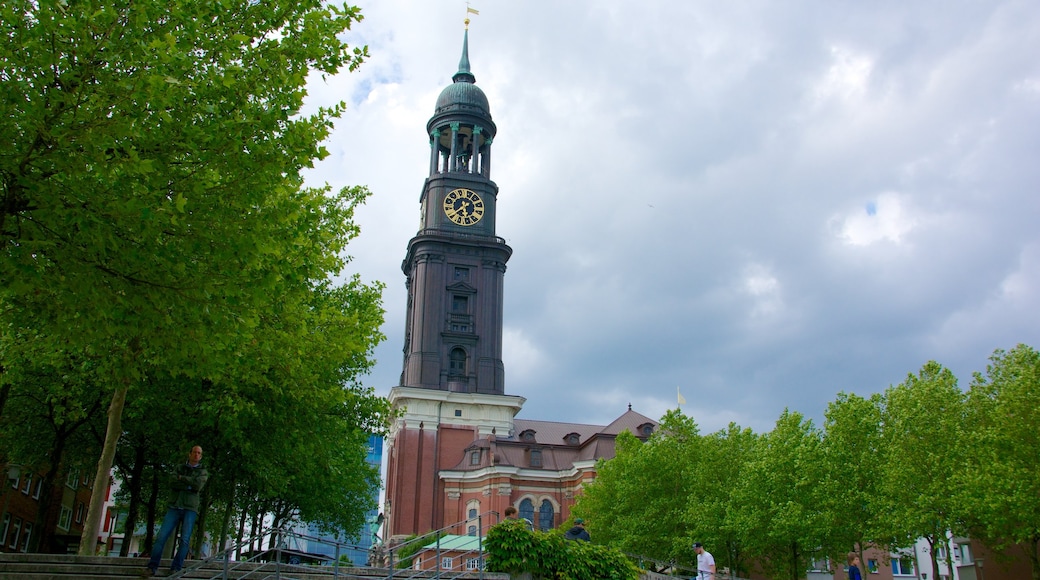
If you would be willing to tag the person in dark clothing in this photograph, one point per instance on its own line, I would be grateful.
(854, 567)
(187, 481)
(578, 532)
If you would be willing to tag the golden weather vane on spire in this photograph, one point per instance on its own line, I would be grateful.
(469, 11)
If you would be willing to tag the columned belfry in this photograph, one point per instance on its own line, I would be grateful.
(455, 264)
(452, 387)
(457, 455)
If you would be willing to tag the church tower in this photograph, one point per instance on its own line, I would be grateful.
(452, 387)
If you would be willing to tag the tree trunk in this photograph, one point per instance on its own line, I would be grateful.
(88, 540)
(222, 544)
(153, 502)
(43, 509)
(241, 533)
(134, 485)
(1034, 555)
(199, 534)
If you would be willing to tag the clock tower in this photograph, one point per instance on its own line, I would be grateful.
(452, 386)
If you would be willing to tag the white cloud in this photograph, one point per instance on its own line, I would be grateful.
(765, 204)
(886, 219)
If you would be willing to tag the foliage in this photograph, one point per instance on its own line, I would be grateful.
(638, 506)
(512, 548)
(1001, 486)
(850, 486)
(777, 501)
(153, 216)
(922, 420)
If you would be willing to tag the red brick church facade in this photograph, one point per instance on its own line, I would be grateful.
(458, 453)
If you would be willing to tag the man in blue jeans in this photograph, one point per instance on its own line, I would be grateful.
(188, 480)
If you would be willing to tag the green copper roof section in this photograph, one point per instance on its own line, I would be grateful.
(463, 95)
(464, 75)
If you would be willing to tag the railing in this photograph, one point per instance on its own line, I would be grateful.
(483, 521)
(457, 235)
(271, 556)
(275, 566)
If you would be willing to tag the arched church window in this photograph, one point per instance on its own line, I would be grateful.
(545, 515)
(457, 362)
(527, 509)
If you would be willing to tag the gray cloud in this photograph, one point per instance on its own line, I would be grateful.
(761, 204)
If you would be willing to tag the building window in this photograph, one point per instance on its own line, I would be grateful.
(474, 457)
(545, 515)
(5, 526)
(446, 563)
(460, 304)
(38, 488)
(902, 566)
(458, 412)
(27, 484)
(80, 508)
(461, 273)
(472, 564)
(14, 482)
(457, 362)
(572, 439)
(26, 535)
(472, 513)
(527, 510)
(71, 480)
(527, 435)
(965, 553)
(65, 519)
(471, 531)
(16, 527)
(872, 566)
(536, 458)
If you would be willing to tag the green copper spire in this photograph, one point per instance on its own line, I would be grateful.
(464, 75)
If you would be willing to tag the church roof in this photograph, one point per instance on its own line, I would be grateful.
(463, 94)
(559, 445)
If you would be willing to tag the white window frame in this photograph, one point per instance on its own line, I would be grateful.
(447, 562)
(897, 560)
(39, 486)
(65, 519)
(472, 564)
(27, 530)
(14, 537)
(27, 483)
(4, 527)
(72, 479)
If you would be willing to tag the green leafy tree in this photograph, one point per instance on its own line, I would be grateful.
(720, 467)
(1001, 493)
(152, 203)
(850, 482)
(922, 421)
(638, 500)
(777, 502)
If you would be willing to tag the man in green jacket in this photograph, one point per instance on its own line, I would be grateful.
(188, 480)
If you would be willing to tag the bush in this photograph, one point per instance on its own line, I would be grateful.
(512, 548)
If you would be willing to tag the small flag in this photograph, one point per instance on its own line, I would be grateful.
(472, 11)
(682, 400)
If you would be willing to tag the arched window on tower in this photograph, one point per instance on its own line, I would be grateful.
(457, 362)
(545, 515)
(527, 510)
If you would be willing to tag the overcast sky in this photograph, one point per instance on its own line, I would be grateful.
(760, 203)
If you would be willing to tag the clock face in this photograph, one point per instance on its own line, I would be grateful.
(463, 207)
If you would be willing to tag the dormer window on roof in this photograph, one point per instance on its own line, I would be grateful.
(527, 435)
(572, 439)
(646, 429)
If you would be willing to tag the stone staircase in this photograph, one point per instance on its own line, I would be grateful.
(69, 567)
